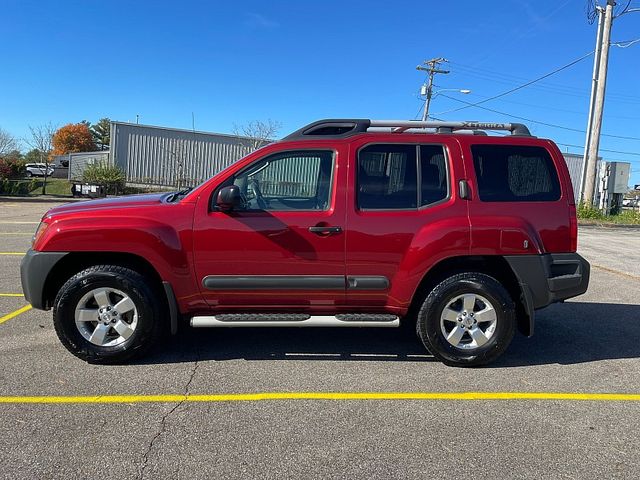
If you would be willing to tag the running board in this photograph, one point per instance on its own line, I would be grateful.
(296, 320)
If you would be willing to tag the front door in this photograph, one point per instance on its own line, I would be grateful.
(284, 248)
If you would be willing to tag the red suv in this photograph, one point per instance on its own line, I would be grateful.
(344, 223)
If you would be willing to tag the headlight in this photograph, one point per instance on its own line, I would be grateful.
(39, 232)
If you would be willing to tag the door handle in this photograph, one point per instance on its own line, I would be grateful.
(325, 230)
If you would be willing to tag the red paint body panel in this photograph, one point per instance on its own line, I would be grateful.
(546, 225)
(187, 240)
(403, 244)
(272, 243)
(159, 232)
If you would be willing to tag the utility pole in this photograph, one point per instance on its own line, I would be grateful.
(592, 99)
(431, 67)
(596, 128)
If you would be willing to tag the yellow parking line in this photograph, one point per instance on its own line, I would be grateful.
(255, 397)
(617, 272)
(15, 313)
(11, 294)
(21, 254)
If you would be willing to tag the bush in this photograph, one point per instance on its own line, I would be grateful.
(111, 176)
(11, 168)
(627, 217)
(588, 211)
(14, 187)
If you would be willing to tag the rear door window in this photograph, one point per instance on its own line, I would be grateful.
(514, 173)
(401, 176)
(387, 177)
(433, 175)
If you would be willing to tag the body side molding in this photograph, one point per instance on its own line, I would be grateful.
(294, 282)
(273, 282)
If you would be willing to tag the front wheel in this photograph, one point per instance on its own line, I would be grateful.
(467, 320)
(108, 314)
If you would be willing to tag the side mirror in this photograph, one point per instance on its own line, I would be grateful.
(228, 198)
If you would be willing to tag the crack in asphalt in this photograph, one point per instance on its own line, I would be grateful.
(163, 420)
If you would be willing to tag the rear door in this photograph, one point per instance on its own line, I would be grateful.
(403, 214)
(285, 248)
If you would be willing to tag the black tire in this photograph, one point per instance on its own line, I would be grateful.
(428, 323)
(29, 174)
(151, 317)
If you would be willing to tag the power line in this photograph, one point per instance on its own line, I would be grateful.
(581, 147)
(415, 117)
(601, 149)
(570, 64)
(622, 137)
(569, 90)
(624, 10)
(564, 110)
(592, 13)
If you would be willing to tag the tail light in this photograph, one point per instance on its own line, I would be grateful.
(573, 229)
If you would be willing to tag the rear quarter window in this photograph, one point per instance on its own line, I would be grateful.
(513, 173)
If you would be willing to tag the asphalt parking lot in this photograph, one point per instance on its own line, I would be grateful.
(109, 426)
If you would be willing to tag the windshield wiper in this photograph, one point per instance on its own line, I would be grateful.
(175, 195)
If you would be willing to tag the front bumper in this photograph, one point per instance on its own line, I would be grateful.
(34, 270)
(550, 278)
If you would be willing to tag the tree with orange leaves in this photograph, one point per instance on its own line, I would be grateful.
(72, 138)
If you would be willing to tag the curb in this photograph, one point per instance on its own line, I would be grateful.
(609, 226)
(40, 199)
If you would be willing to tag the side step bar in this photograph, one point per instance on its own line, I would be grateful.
(296, 320)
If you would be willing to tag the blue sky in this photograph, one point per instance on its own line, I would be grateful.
(295, 62)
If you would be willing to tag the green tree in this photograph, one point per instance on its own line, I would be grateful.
(101, 133)
(34, 156)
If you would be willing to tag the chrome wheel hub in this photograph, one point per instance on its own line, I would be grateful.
(468, 321)
(106, 317)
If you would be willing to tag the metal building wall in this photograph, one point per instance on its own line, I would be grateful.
(79, 161)
(171, 157)
(574, 164)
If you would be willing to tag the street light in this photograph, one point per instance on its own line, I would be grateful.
(426, 91)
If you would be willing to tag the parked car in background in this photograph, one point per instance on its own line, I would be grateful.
(39, 169)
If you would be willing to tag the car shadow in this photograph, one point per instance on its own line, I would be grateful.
(565, 333)
(578, 332)
(338, 344)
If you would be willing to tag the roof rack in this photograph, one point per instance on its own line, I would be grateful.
(347, 127)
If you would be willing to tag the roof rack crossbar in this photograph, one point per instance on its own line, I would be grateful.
(340, 128)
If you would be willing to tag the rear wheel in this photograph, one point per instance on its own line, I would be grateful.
(108, 314)
(467, 320)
